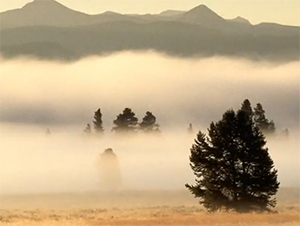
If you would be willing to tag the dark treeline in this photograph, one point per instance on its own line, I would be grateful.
(125, 122)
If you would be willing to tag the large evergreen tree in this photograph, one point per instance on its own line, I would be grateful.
(232, 166)
(126, 121)
(98, 121)
(148, 124)
(266, 126)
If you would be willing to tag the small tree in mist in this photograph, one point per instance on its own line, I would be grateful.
(148, 124)
(266, 126)
(110, 170)
(232, 166)
(190, 129)
(125, 122)
(88, 129)
(285, 133)
(98, 121)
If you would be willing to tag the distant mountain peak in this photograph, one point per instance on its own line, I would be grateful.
(202, 15)
(43, 2)
(50, 8)
(239, 19)
(37, 3)
(45, 5)
(43, 12)
(110, 13)
(201, 9)
(171, 13)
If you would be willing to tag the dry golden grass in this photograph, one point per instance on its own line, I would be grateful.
(143, 216)
(134, 208)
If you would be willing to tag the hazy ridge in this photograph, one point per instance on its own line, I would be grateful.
(49, 30)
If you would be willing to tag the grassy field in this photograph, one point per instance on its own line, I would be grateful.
(135, 208)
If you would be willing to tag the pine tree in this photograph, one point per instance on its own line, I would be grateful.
(98, 121)
(262, 122)
(232, 166)
(125, 122)
(149, 125)
(246, 107)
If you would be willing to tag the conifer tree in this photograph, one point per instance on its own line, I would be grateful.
(246, 107)
(232, 166)
(262, 122)
(98, 121)
(125, 122)
(148, 124)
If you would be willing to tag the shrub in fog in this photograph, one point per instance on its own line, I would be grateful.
(233, 168)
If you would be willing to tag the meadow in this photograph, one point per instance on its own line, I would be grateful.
(164, 207)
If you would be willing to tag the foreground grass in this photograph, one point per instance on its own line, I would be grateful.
(135, 208)
(181, 215)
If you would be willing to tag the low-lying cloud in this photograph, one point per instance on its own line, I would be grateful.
(35, 95)
(177, 91)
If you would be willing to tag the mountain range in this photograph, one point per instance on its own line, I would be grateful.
(49, 30)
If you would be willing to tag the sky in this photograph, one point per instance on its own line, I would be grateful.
(256, 11)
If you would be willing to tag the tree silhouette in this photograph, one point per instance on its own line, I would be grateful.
(246, 107)
(149, 124)
(88, 129)
(125, 122)
(262, 122)
(98, 121)
(232, 166)
(190, 129)
(110, 173)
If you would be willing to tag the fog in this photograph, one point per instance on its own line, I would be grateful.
(36, 95)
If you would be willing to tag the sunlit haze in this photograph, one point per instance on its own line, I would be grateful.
(131, 112)
(36, 95)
